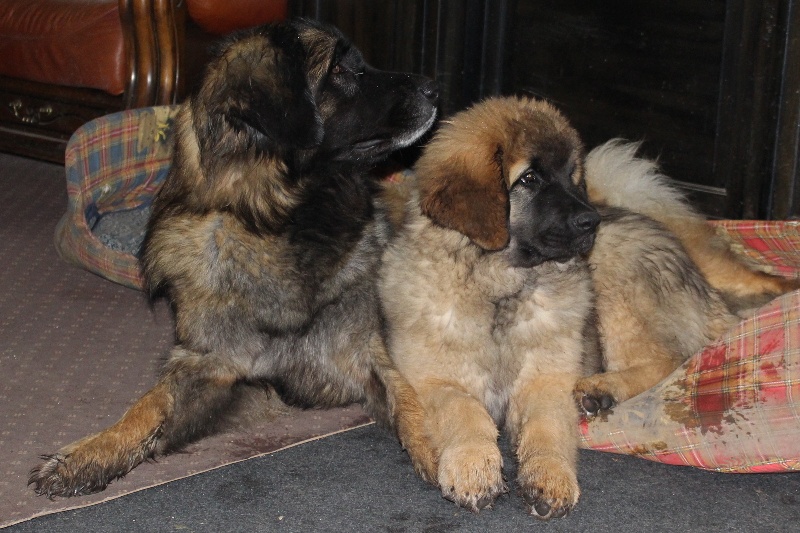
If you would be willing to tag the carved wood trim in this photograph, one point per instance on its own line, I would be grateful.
(154, 41)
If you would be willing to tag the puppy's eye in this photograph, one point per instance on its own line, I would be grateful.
(337, 69)
(529, 177)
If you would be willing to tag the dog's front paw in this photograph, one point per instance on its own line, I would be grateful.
(593, 404)
(90, 464)
(549, 486)
(472, 475)
(63, 475)
(592, 397)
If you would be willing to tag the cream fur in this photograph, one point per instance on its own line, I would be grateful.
(615, 176)
(485, 344)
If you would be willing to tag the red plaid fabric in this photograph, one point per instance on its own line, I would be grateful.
(773, 245)
(735, 406)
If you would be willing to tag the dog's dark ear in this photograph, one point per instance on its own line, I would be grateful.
(464, 190)
(290, 124)
(267, 74)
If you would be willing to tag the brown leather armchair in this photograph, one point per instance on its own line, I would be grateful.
(65, 62)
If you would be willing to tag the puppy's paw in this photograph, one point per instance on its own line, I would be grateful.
(592, 405)
(593, 397)
(549, 486)
(471, 475)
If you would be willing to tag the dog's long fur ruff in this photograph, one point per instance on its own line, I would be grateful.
(266, 237)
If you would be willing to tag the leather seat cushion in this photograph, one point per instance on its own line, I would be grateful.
(77, 43)
(220, 18)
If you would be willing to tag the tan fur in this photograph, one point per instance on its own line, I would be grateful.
(615, 176)
(484, 343)
(725, 270)
(467, 187)
(480, 341)
(654, 308)
(132, 439)
(646, 334)
(266, 236)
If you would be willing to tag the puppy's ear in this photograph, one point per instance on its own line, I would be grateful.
(268, 88)
(465, 190)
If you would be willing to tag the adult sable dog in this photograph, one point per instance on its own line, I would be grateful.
(266, 236)
(506, 291)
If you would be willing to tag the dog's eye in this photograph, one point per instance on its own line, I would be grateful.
(529, 177)
(339, 69)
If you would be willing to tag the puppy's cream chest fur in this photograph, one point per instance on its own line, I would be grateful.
(454, 310)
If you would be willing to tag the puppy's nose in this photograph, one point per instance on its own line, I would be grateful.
(430, 89)
(585, 221)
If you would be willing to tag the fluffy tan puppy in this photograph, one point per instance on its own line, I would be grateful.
(487, 312)
(506, 290)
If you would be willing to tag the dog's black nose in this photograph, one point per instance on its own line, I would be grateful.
(431, 90)
(585, 221)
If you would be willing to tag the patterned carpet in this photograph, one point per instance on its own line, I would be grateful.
(76, 350)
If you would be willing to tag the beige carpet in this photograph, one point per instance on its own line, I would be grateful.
(77, 350)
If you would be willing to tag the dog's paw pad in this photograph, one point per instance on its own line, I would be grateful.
(594, 404)
(549, 486)
(545, 508)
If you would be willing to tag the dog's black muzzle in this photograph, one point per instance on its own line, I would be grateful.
(559, 225)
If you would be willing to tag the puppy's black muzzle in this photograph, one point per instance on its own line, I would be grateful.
(569, 223)
(583, 224)
(551, 224)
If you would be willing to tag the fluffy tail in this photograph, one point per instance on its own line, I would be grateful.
(616, 176)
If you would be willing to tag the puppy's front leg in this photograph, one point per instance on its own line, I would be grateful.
(542, 419)
(470, 464)
(405, 412)
(186, 401)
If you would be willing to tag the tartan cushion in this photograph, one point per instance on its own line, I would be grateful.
(733, 407)
(114, 164)
(771, 246)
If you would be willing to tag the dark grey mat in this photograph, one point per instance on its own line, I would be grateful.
(360, 481)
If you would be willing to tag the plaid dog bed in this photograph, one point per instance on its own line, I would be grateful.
(733, 407)
(114, 165)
